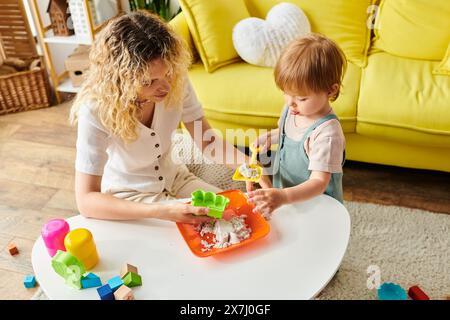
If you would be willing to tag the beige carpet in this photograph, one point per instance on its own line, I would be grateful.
(409, 246)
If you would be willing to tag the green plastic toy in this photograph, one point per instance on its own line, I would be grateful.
(216, 203)
(68, 267)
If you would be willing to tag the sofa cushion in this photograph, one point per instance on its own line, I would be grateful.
(211, 25)
(260, 42)
(180, 26)
(343, 21)
(401, 99)
(444, 67)
(247, 96)
(413, 28)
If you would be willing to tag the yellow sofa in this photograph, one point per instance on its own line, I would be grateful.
(395, 102)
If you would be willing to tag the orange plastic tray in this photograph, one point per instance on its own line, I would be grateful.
(238, 202)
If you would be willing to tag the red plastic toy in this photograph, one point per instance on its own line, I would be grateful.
(417, 294)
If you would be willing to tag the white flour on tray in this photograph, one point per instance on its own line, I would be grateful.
(226, 233)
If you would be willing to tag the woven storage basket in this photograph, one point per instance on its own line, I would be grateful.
(25, 90)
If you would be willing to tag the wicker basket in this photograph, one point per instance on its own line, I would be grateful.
(25, 90)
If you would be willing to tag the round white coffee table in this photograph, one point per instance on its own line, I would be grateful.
(296, 260)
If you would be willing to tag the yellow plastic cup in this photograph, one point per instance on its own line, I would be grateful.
(80, 243)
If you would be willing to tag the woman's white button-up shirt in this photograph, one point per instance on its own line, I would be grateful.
(144, 165)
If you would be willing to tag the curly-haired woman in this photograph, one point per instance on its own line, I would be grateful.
(135, 95)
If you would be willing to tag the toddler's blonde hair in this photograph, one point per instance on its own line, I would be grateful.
(312, 63)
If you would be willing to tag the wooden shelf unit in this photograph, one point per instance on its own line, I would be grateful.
(61, 82)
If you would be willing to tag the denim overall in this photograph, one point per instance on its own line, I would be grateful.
(291, 161)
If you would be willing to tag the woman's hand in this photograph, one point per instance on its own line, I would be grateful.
(264, 182)
(267, 200)
(185, 213)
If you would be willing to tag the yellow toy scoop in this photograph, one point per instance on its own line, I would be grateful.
(251, 172)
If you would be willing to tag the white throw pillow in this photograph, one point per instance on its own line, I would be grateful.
(260, 42)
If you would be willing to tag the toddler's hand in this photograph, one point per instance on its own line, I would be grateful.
(262, 142)
(267, 200)
(249, 186)
(264, 182)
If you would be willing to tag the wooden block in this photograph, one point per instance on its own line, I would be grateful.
(417, 294)
(128, 268)
(90, 281)
(124, 293)
(12, 248)
(105, 292)
(132, 279)
(29, 281)
(115, 283)
(447, 297)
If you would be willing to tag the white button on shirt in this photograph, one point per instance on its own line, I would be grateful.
(143, 165)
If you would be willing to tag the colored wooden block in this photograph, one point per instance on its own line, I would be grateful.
(128, 268)
(105, 292)
(68, 267)
(124, 293)
(115, 283)
(417, 294)
(29, 281)
(90, 281)
(12, 248)
(447, 297)
(132, 279)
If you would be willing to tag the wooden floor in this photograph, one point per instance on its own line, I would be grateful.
(37, 153)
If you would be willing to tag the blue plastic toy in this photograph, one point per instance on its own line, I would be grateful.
(391, 291)
(105, 292)
(90, 281)
(29, 281)
(115, 283)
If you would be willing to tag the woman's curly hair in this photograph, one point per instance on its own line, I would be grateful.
(119, 61)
